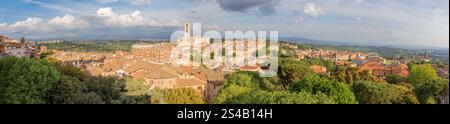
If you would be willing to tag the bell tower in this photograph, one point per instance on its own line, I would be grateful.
(187, 29)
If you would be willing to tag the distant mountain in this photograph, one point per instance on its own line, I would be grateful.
(312, 41)
(340, 43)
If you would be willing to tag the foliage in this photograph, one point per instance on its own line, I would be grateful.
(108, 88)
(230, 91)
(321, 62)
(248, 88)
(178, 96)
(428, 90)
(420, 73)
(46, 54)
(67, 91)
(86, 98)
(337, 91)
(26, 81)
(76, 87)
(91, 46)
(141, 99)
(291, 70)
(350, 75)
(427, 85)
(279, 97)
(136, 87)
(383, 93)
(395, 79)
(71, 71)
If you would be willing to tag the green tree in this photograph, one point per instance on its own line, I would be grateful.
(230, 91)
(179, 96)
(66, 90)
(427, 85)
(351, 75)
(26, 81)
(429, 89)
(87, 98)
(313, 84)
(383, 93)
(325, 63)
(347, 75)
(141, 99)
(248, 88)
(291, 70)
(71, 71)
(421, 73)
(245, 79)
(243, 82)
(395, 79)
(108, 88)
(136, 87)
(279, 97)
(329, 64)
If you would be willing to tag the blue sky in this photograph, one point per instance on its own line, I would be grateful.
(372, 22)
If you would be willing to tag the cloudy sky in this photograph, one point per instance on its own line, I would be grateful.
(385, 22)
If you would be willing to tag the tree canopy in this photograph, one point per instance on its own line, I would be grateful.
(26, 81)
(246, 88)
(313, 84)
(177, 96)
(383, 93)
(427, 85)
(291, 70)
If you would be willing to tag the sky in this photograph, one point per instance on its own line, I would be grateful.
(371, 22)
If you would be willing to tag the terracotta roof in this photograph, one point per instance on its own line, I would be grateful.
(185, 69)
(112, 64)
(246, 67)
(94, 70)
(318, 69)
(379, 69)
(189, 83)
(162, 73)
(12, 44)
(371, 65)
(215, 76)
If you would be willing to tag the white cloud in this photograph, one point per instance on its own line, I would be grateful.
(105, 17)
(37, 25)
(3, 25)
(134, 19)
(107, 1)
(313, 10)
(68, 22)
(33, 24)
(127, 20)
(140, 2)
(30, 22)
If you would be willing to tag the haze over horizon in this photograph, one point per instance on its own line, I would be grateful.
(380, 22)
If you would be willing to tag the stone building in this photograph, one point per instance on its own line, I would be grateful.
(9, 46)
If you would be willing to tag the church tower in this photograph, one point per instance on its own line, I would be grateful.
(187, 29)
(426, 57)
